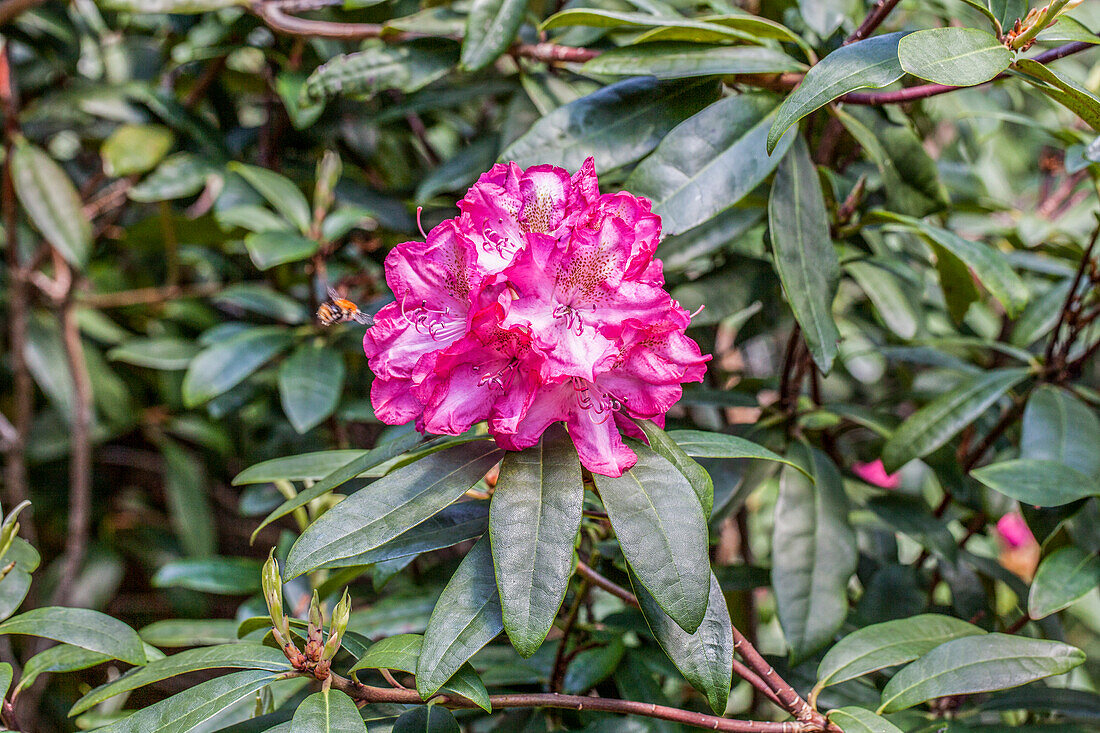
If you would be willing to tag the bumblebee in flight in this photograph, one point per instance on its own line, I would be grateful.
(341, 310)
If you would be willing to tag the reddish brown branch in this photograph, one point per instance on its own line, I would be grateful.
(873, 20)
(368, 694)
(80, 455)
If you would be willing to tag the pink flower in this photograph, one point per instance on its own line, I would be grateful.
(1014, 530)
(541, 302)
(875, 474)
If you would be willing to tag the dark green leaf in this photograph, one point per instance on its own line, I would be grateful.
(60, 658)
(687, 188)
(618, 125)
(222, 575)
(165, 353)
(327, 711)
(533, 522)
(1059, 427)
(391, 505)
(861, 720)
(1068, 30)
(663, 532)
(80, 627)
(224, 365)
(1067, 92)
(937, 422)
(402, 652)
(1062, 579)
(804, 255)
(702, 444)
(271, 248)
(242, 655)
(310, 383)
(1037, 482)
(279, 191)
(959, 57)
(378, 67)
(677, 60)
(427, 719)
(491, 28)
(977, 664)
(467, 616)
(888, 644)
(51, 201)
(185, 711)
(663, 445)
(592, 666)
(705, 658)
(188, 506)
(891, 302)
(871, 63)
(814, 555)
(178, 176)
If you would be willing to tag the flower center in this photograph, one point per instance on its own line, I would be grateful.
(603, 403)
(438, 323)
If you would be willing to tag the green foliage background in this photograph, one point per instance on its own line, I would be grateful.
(913, 282)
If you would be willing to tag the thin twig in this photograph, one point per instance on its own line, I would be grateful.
(873, 20)
(368, 694)
(557, 673)
(80, 455)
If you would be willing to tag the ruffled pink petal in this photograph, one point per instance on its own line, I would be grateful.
(552, 403)
(544, 190)
(393, 400)
(599, 445)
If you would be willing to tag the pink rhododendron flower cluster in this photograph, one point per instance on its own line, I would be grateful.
(540, 302)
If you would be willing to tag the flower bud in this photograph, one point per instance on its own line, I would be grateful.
(328, 173)
(313, 632)
(10, 528)
(340, 617)
(272, 583)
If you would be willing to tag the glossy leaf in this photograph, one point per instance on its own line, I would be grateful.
(391, 505)
(814, 555)
(188, 709)
(1062, 579)
(703, 444)
(664, 446)
(977, 664)
(891, 303)
(804, 255)
(310, 383)
(1059, 427)
(243, 655)
(80, 627)
(271, 248)
(279, 191)
(860, 720)
(663, 532)
(427, 719)
(401, 653)
(1037, 482)
(937, 422)
(378, 67)
(689, 188)
(888, 644)
(678, 60)
(618, 124)
(60, 658)
(221, 575)
(188, 506)
(224, 365)
(51, 201)
(491, 27)
(459, 522)
(868, 64)
(467, 616)
(178, 176)
(705, 657)
(533, 522)
(327, 711)
(170, 354)
(959, 57)
(1067, 92)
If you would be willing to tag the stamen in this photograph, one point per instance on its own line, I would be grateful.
(418, 224)
(697, 311)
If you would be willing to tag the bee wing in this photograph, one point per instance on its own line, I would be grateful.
(365, 319)
(332, 293)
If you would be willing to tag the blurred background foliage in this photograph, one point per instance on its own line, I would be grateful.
(203, 179)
